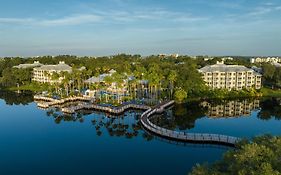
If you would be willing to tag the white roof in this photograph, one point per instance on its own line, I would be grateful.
(226, 68)
(25, 66)
(59, 67)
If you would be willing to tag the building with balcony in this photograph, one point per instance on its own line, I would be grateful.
(221, 76)
(231, 108)
(266, 60)
(43, 74)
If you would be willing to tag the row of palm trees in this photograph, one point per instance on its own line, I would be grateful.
(68, 81)
(133, 84)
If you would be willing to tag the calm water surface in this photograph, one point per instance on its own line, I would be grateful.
(35, 141)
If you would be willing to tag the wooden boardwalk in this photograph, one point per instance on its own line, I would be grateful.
(46, 102)
(115, 110)
(182, 136)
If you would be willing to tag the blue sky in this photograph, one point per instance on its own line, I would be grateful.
(106, 27)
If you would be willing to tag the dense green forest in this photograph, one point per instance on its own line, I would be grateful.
(272, 75)
(259, 156)
(178, 75)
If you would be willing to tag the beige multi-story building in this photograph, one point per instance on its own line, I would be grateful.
(231, 108)
(44, 73)
(221, 76)
(266, 60)
(28, 66)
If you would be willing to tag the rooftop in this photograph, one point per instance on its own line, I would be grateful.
(25, 66)
(220, 67)
(59, 67)
(100, 78)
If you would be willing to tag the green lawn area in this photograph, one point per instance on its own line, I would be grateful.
(29, 87)
(267, 92)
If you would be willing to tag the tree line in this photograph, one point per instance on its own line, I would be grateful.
(178, 76)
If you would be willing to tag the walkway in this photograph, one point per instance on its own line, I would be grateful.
(46, 102)
(114, 110)
(148, 125)
(182, 136)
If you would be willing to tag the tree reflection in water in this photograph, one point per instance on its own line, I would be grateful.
(183, 117)
(127, 125)
(180, 117)
(270, 108)
(14, 98)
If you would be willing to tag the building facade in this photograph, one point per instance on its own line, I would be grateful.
(221, 76)
(110, 88)
(266, 60)
(231, 108)
(44, 73)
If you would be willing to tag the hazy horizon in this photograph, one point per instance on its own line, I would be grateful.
(109, 27)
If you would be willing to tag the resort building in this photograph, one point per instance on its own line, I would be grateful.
(221, 76)
(231, 108)
(222, 59)
(266, 60)
(44, 73)
(28, 66)
(276, 64)
(112, 87)
(162, 55)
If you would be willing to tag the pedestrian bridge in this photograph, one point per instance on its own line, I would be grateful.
(145, 120)
(182, 136)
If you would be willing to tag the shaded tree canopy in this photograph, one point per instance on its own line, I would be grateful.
(259, 156)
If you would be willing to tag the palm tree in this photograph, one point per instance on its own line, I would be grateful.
(55, 80)
(66, 81)
(172, 77)
(108, 82)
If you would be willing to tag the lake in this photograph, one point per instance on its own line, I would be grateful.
(36, 141)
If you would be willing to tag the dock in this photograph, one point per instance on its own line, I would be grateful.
(182, 136)
(46, 102)
(113, 110)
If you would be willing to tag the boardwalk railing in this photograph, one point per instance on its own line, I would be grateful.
(176, 135)
(118, 110)
(183, 136)
(46, 102)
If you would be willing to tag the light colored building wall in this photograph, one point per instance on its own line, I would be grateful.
(266, 60)
(44, 73)
(231, 108)
(229, 77)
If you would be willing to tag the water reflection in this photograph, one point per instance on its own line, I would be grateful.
(34, 130)
(270, 108)
(235, 108)
(184, 116)
(126, 125)
(14, 98)
(181, 116)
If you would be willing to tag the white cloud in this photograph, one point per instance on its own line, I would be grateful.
(153, 15)
(71, 20)
(109, 16)
(260, 11)
(268, 4)
(278, 8)
(16, 20)
(265, 9)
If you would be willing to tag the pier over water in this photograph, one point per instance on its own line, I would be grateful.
(182, 136)
(145, 119)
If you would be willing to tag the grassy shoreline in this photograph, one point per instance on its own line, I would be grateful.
(264, 92)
